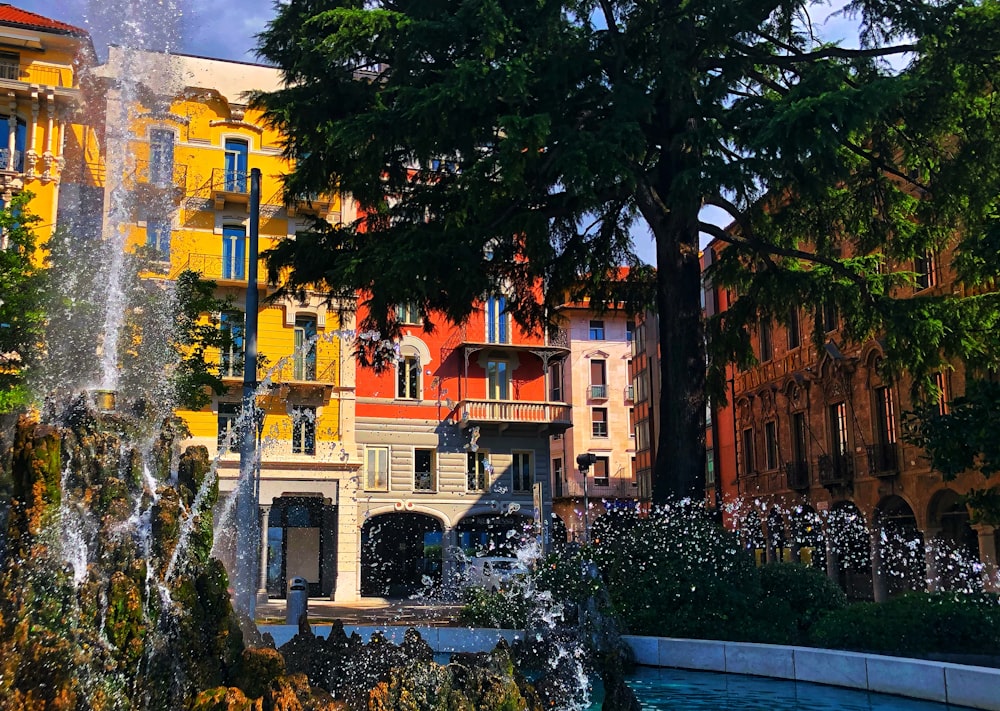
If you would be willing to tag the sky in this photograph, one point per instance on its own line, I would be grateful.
(226, 29)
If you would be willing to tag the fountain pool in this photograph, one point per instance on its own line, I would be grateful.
(695, 690)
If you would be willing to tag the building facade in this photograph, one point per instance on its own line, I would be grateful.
(41, 62)
(821, 471)
(594, 379)
(454, 438)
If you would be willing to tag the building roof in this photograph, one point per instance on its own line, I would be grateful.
(14, 16)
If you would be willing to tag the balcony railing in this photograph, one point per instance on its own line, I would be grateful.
(883, 460)
(470, 412)
(835, 469)
(611, 488)
(797, 475)
(599, 392)
(157, 174)
(31, 74)
(215, 267)
(5, 164)
(629, 392)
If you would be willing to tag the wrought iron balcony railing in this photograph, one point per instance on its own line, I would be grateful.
(835, 469)
(883, 459)
(797, 475)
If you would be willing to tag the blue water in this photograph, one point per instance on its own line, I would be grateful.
(690, 690)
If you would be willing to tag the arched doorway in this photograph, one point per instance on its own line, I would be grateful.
(494, 534)
(806, 535)
(400, 554)
(777, 548)
(902, 546)
(302, 542)
(954, 545)
(848, 550)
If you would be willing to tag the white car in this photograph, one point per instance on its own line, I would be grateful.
(494, 573)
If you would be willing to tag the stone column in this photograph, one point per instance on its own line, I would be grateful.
(832, 559)
(450, 567)
(988, 556)
(880, 588)
(265, 519)
(11, 131)
(30, 155)
(931, 570)
(348, 587)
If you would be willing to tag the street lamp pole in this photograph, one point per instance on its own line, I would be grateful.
(585, 462)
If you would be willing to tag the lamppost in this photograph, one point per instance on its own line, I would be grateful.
(585, 462)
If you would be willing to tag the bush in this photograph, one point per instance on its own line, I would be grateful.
(678, 573)
(505, 609)
(914, 624)
(798, 595)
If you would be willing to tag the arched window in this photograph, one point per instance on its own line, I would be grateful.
(234, 252)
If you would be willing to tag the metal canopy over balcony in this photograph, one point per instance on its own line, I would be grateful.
(549, 417)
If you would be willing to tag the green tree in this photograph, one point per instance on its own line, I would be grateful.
(22, 281)
(498, 144)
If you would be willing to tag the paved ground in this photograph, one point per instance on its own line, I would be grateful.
(368, 611)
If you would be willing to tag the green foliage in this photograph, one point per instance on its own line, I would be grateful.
(676, 573)
(963, 438)
(915, 624)
(22, 314)
(799, 594)
(506, 145)
(505, 609)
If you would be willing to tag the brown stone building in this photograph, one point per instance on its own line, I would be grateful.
(821, 473)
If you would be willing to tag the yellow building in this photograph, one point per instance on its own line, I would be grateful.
(186, 143)
(40, 65)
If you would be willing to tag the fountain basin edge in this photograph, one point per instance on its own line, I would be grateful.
(943, 682)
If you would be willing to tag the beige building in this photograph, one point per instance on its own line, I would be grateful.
(594, 379)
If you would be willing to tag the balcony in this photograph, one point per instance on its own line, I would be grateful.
(9, 163)
(629, 393)
(33, 74)
(216, 268)
(835, 469)
(152, 179)
(598, 392)
(797, 475)
(883, 460)
(230, 186)
(611, 488)
(318, 205)
(546, 416)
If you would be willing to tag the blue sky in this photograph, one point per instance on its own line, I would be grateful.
(226, 28)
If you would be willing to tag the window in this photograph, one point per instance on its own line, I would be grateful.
(161, 157)
(408, 378)
(799, 437)
(303, 430)
(557, 476)
(642, 435)
(555, 382)
(377, 469)
(926, 268)
(941, 383)
(424, 474)
(831, 320)
(770, 445)
(498, 379)
(408, 313)
(749, 464)
(497, 330)
(766, 346)
(228, 439)
(520, 470)
(794, 334)
(478, 469)
(601, 471)
(158, 238)
(237, 151)
(304, 357)
(709, 466)
(599, 421)
(231, 345)
(629, 331)
(631, 422)
(234, 253)
(885, 416)
(597, 330)
(10, 66)
(598, 379)
(838, 429)
(14, 161)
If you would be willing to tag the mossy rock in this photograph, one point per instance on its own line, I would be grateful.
(260, 667)
(224, 698)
